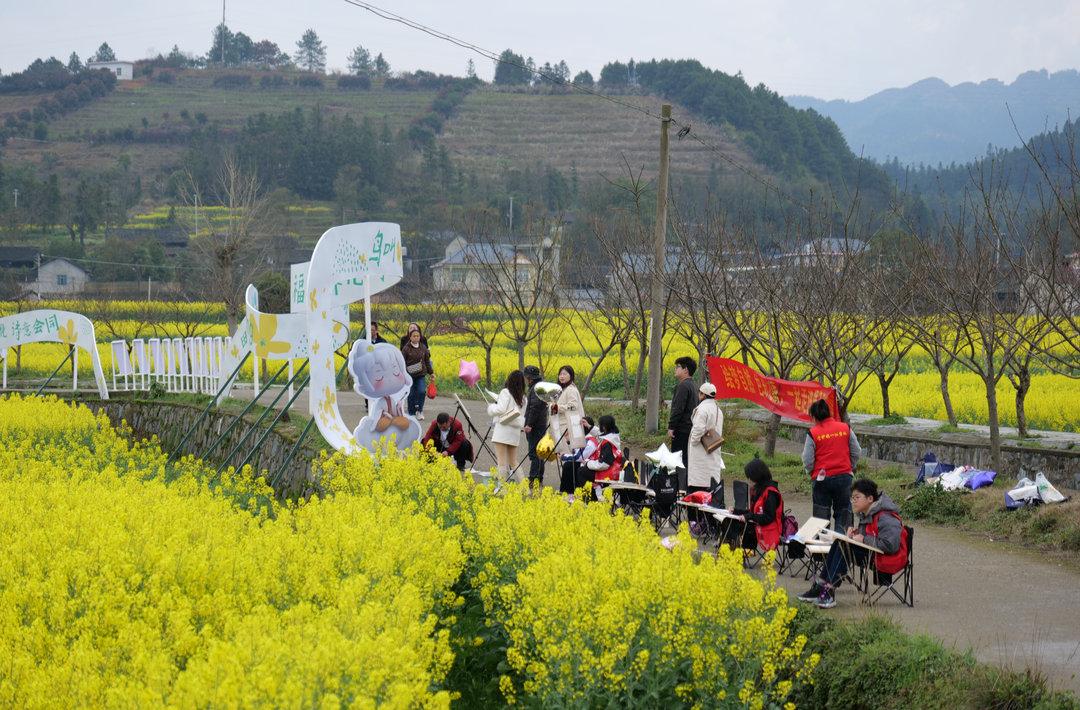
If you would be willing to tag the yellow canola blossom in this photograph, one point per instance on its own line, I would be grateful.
(595, 608)
(118, 589)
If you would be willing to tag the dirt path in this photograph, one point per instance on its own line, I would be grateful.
(1010, 605)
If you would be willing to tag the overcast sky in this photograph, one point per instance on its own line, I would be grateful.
(845, 49)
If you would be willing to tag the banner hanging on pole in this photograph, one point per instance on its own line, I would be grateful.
(734, 380)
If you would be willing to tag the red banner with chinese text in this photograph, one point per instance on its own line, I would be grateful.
(734, 380)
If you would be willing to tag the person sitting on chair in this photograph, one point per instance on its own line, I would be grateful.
(879, 526)
(766, 509)
(448, 438)
(605, 463)
(573, 472)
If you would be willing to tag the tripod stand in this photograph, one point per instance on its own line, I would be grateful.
(460, 409)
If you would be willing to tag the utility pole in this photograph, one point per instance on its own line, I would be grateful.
(511, 215)
(656, 293)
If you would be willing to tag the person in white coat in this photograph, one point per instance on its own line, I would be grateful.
(567, 413)
(507, 434)
(704, 466)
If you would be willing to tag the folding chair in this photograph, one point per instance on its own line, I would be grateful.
(121, 363)
(799, 548)
(904, 579)
(138, 347)
(663, 505)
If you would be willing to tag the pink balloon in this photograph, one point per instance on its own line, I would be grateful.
(469, 372)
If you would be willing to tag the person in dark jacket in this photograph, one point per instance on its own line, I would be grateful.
(536, 423)
(879, 527)
(683, 403)
(418, 365)
(376, 336)
(448, 438)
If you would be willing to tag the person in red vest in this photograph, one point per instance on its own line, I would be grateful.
(829, 455)
(766, 508)
(448, 437)
(879, 526)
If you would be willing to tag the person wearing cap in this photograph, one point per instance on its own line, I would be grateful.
(536, 424)
(704, 466)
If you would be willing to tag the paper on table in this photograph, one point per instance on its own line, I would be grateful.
(719, 513)
(832, 536)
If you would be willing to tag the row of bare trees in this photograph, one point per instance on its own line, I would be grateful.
(818, 291)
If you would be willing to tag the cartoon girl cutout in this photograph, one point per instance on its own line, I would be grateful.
(378, 371)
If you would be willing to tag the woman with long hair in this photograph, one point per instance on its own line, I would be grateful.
(766, 508)
(408, 334)
(568, 411)
(508, 411)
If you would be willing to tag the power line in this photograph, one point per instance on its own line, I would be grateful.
(685, 130)
(117, 263)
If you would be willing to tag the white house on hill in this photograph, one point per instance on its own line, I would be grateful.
(125, 71)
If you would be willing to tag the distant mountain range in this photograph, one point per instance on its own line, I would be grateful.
(931, 122)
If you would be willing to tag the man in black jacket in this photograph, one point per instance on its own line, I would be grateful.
(536, 423)
(683, 403)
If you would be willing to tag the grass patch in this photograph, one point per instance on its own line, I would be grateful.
(873, 663)
(891, 420)
(950, 429)
(1049, 527)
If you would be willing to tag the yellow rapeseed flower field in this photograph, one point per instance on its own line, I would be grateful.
(1053, 402)
(126, 583)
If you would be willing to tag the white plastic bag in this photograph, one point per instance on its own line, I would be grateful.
(1047, 492)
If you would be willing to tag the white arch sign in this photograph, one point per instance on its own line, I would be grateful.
(350, 263)
(50, 326)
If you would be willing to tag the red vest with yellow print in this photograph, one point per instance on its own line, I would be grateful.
(612, 472)
(890, 564)
(831, 449)
(768, 536)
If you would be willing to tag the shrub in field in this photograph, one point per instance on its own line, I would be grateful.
(936, 505)
(354, 82)
(873, 663)
(310, 81)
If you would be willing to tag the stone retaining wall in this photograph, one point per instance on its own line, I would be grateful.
(1059, 465)
(169, 422)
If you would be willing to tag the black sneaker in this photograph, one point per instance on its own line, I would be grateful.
(813, 595)
(827, 600)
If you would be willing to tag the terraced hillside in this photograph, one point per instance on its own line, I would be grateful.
(162, 106)
(493, 130)
(496, 130)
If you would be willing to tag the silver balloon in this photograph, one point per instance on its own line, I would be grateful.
(548, 391)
